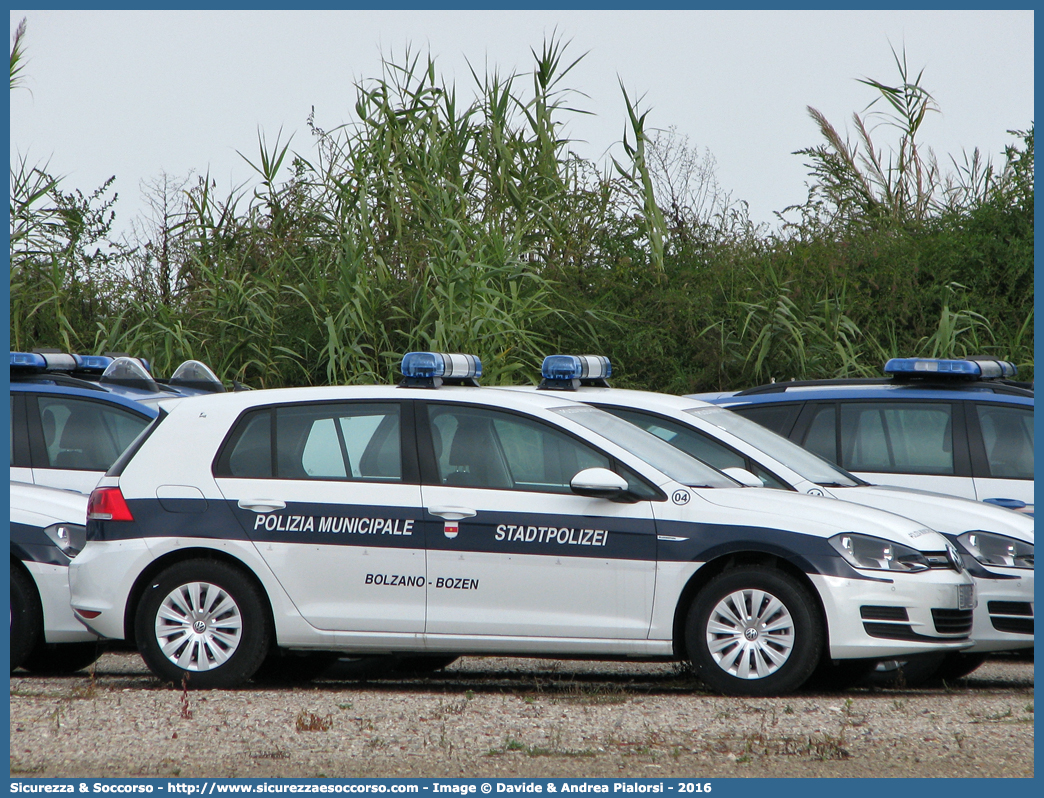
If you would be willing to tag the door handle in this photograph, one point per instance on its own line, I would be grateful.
(452, 513)
(261, 505)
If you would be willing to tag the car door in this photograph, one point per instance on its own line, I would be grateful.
(1002, 451)
(74, 440)
(912, 444)
(333, 506)
(513, 551)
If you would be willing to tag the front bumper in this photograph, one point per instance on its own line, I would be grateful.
(1004, 615)
(896, 614)
(60, 625)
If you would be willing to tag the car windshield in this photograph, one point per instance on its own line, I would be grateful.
(810, 466)
(647, 447)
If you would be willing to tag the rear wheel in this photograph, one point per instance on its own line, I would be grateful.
(26, 616)
(957, 665)
(754, 630)
(60, 659)
(204, 622)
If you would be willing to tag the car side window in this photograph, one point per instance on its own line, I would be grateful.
(821, 437)
(82, 435)
(897, 437)
(481, 448)
(322, 441)
(778, 418)
(1007, 434)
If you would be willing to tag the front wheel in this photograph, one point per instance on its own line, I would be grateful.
(202, 623)
(61, 659)
(754, 630)
(26, 617)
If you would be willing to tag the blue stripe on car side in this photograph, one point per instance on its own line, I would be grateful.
(609, 538)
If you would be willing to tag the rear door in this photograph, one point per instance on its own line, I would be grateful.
(919, 445)
(512, 550)
(333, 505)
(1002, 451)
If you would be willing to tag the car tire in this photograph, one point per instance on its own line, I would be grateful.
(26, 616)
(61, 659)
(203, 624)
(910, 672)
(840, 674)
(754, 631)
(289, 667)
(956, 665)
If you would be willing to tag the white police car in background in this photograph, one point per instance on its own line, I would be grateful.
(72, 415)
(469, 520)
(47, 531)
(997, 544)
(962, 427)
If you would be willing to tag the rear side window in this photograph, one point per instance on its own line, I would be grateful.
(778, 418)
(897, 437)
(322, 442)
(1007, 434)
(821, 437)
(82, 435)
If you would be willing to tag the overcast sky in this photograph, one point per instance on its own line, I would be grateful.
(134, 94)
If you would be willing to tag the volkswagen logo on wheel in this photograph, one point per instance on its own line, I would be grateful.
(680, 497)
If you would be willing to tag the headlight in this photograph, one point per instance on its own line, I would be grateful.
(70, 538)
(863, 551)
(991, 549)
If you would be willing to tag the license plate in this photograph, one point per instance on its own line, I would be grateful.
(965, 597)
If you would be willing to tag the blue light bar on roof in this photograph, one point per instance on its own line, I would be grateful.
(569, 372)
(576, 367)
(28, 361)
(92, 363)
(432, 369)
(932, 367)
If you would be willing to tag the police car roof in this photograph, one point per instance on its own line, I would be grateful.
(624, 397)
(134, 400)
(493, 396)
(882, 389)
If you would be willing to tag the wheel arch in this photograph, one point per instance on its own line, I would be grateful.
(18, 564)
(182, 555)
(732, 559)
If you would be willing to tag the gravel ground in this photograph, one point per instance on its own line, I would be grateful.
(490, 717)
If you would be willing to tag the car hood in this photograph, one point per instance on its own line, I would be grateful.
(948, 514)
(816, 515)
(49, 505)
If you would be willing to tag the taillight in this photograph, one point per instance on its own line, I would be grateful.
(108, 504)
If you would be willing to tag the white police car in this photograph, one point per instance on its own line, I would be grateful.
(962, 427)
(467, 520)
(997, 544)
(47, 531)
(72, 415)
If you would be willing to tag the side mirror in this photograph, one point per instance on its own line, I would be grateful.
(598, 483)
(743, 477)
